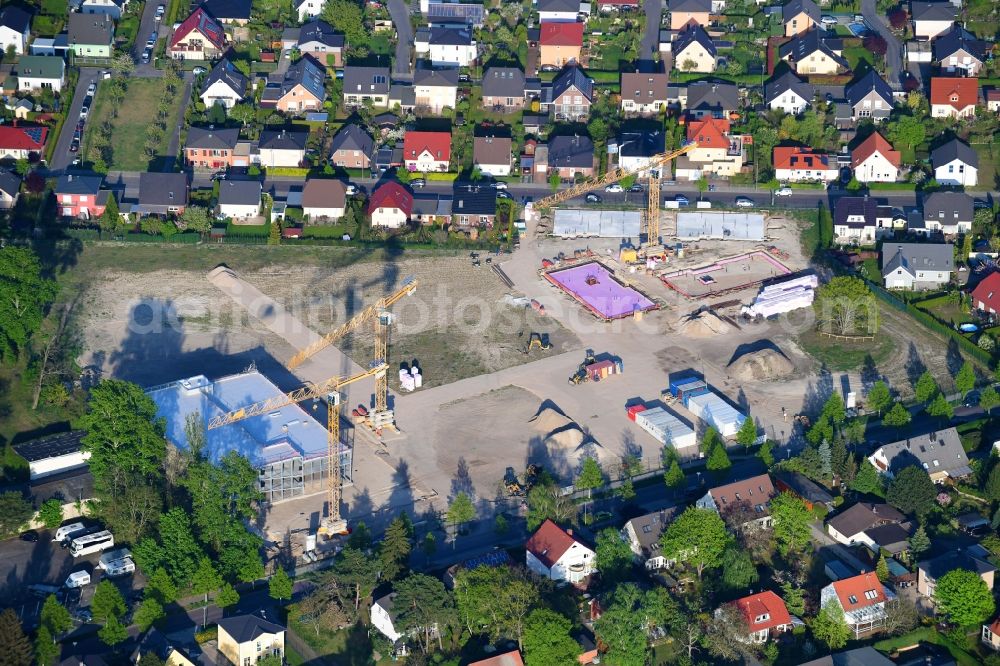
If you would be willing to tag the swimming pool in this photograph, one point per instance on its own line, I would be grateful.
(858, 29)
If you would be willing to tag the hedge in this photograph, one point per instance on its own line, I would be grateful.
(906, 187)
(287, 171)
(447, 177)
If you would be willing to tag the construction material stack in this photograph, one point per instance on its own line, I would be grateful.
(783, 297)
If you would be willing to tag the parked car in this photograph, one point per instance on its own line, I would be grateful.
(29, 536)
(744, 202)
(197, 71)
(636, 188)
(83, 615)
(161, 10)
(783, 192)
(145, 56)
(614, 188)
(340, 73)
(464, 78)
(219, 175)
(78, 579)
(503, 195)
(150, 43)
(91, 89)
(80, 125)
(153, 35)
(681, 200)
(828, 20)
(499, 185)
(84, 110)
(74, 145)
(417, 183)
(593, 198)
(351, 190)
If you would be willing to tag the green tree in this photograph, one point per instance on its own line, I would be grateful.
(111, 217)
(988, 399)
(718, 460)
(227, 596)
(897, 417)
(747, 434)
(107, 602)
(623, 627)
(882, 569)
(613, 556)
(545, 502)
(554, 181)
(907, 131)
(22, 166)
(702, 185)
(205, 579)
(161, 587)
(150, 659)
(195, 218)
(421, 603)
(500, 525)
(15, 512)
(346, 17)
(912, 491)
(962, 596)
(879, 397)
(697, 537)
(113, 632)
(920, 543)
(792, 521)
(358, 571)
(55, 617)
(830, 627)
(149, 612)
(181, 550)
(24, 296)
(460, 511)
(925, 388)
(846, 306)
(674, 477)
(834, 409)
(14, 645)
(794, 598)
(940, 407)
(965, 379)
(738, 570)
(394, 549)
(280, 585)
(766, 453)
(627, 490)
(46, 648)
(547, 640)
(590, 477)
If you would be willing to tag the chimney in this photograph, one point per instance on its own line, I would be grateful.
(569, 531)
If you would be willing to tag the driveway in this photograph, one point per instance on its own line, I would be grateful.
(400, 12)
(176, 136)
(894, 48)
(650, 43)
(61, 158)
(146, 28)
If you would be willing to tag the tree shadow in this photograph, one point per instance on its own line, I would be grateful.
(953, 357)
(462, 481)
(914, 365)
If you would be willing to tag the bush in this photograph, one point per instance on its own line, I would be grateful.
(51, 513)
(207, 634)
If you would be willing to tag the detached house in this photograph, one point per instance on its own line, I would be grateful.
(199, 37)
(870, 97)
(686, 12)
(557, 10)
(571, 155)
(851, 525)
(636, 149)
(307, 9)
(958, 51)
(643, 537)
(112, 8)
(435, 90)
(210, 148)
(493, 155)
(860, 220)
(245, 639)
(427, 151)
(955, 163)
(239, 199)
(229, 12)
(986, 295)
(862, 601)
(974, 558)
(22, 142)
(711, 99)
(324, 199)
(875, 161)
(302, 89)
(390, 206)
(40, 73)
(644, 94)
(814, 52)
(473, 205)
(224, 85)
(916, 266)
(570, 96)
(953, 97)
(694, 50)
(718, 151)
(788, 93)
(765, 614)
(503, 89)
(366, 84)
(939, 453)
(162, 193)
(282, 148)
(559, 43)
(90, 35)
(800, 165)
(10, 189)
(799, 16)
(81, 196)
(447, 46)
(15, 29)
(948, 212)
(352, 148)
(552, 552)
(931, 19)
(749, 495)
(319, 39)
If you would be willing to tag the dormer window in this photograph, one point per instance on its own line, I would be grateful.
(763, 617)
(852, 599)
(871, 594)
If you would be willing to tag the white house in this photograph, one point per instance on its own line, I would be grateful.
(308, 9)
(789, 93)
(955, 163)
(239, 199)
(112, 8)
(950, 213)
(40, 73)
(390, 206)
(917, 265)
(940, 452)
(643, 537)
(324, 198)
(861, 220)
(492, 154)
(794, 164)
(554, 553)
(447, 47)
(551, 11)
(861, 599)
(224, 85)
(427, 151)
(281, 148)
(850, 525)
(382, 617)
(931, 19)
(15, 29)
(875, 161)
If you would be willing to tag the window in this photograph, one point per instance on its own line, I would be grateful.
(853, 599)
(763, 617)
(871, 594)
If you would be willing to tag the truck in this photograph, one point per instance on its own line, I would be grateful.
(91, 543)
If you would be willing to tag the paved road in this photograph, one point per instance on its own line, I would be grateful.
(62, 158)
(402, 69)
(894, 49)
(175, 137)
(146, 27)
(651, 36)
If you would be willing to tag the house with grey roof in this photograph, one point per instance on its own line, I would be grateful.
(432, 208)
(917, 266)
(939, 453)
(366, 84)
(352, 148)
(814, 52)
(960, 52)
(503, 89)
(643, 536)
(949, 213)
(870, 97)
(798, 16)
(162, 193)
(15, 28)
(955, 163)
(789, 93)
(90, 35)
(974, 558)
(849, 526)
(320, 40)
(571, 155)
(435, 89)
(557, 10)
(40, 73)
(282, 148)
(224, 85)
(931, 19)
(302, 88)
(694, 50)
(570, 95)
(239, 199)
(10, 188)
(714, 99)
(449, 46)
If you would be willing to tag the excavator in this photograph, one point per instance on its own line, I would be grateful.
(519, 486)
(580, 376)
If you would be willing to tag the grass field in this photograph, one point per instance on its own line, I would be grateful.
(134, 115)
(857, 54)
(844, 355)
(988, 154)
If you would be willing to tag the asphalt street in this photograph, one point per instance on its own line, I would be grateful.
(651, 35)
(402, 69)
(147, 26)
(894, 48)
(61, 157)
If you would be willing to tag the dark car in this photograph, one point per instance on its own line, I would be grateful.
(29, 536)
(593, 198)
(74, 146)
(636, 188)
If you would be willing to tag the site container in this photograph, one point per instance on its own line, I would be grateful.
(682, 388)
(666, 428)
(716, 412)
(603, 369)
(633, 410)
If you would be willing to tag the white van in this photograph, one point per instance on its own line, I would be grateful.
(91, 543)
(77, 579)
(64, 532)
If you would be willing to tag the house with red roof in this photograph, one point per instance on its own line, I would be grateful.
(796, 164)
(390, 206)
(427, 151)
(742, 502)
(512, 658)
(861, 599)
(718, 152)
(986, 295)
(198, 37)
(559, 43)
(765, 614)
(875, 161)
(20, 141)
(554, 553)
(954, 97)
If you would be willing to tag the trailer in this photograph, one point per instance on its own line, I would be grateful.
(112, 556)
(666, 428)
(120, 567)
(66, 531)
(716, 412)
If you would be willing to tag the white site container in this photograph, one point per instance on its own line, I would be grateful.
(403, 374)
(406, 383)
(716, 412)
(666, 428)
(418, 380)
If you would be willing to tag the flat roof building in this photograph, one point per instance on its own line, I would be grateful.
(574, 222)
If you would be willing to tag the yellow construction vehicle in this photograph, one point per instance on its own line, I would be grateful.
(540, 340)
(330, 392)
(653, 199)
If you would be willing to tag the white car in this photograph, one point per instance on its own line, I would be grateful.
(783, 192)
(351, 190)
(91, 89)
(744, 202)
(828, 20)
(197, 71)
(499, 185)
(614, 188)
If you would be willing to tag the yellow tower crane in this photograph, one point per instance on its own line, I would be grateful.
(330, 391)
(653, 202)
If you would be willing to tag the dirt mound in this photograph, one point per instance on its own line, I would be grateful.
(567, 439)
(763, 365)
(703, 324)
(548, 420)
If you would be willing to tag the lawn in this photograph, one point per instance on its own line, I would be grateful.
(130, 126)
(839, 355)
(928, 635)
(857, 54)
(944, 309)
(988, 154)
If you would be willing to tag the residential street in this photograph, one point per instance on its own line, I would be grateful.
(62, 158)
(402, 68)
(174, 146)
(146, 28)
(894, 49)
(651, 36)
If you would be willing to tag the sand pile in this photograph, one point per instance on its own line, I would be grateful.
(704, 324)
(567, 439)
(762, 365)
(549, 419)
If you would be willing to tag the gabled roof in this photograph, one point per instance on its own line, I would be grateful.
(847, 207)
(690, 35)
(92, 29)
(796, 7)
(438, 144)
(709, 132)
(755, 490)
(353, 137)
(888, 536)
(561, 34)
(954, 150)
(712, 96)
(863, 516)
(491, 150)
(644, 88)
(20, 137)
(10, 183)
(955, 559)
(649, 527)
(571, 151)
(988, 291)
(641, 144)
(473, 199)
(955, 207)
(549, 543)
(214, 139)
(933, 11)
(572, 76)
(366, 80)
(777, 87)
(307, 73)
(863, 656)
(228, 10)
(324, 193)
(796, 157)
(512, 658)
(245, 628)
(322, 32)
(448, 36)
(765, 610)
(283, 140)
(955, 92)
(391, 195)
(959, 39)
(40, 67)
(870, 82)
(15, 18)
(804, 487)
(937, 451)
(503, 82)
(239, 192)
(851, 592)
(72, 183)
(202, 22)
(51, 446)
(557, 5)
(162, 189)
(875, 144)
(804, 45)
(437, 78)
(913, 257)
(690, 6)
(226, 72)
